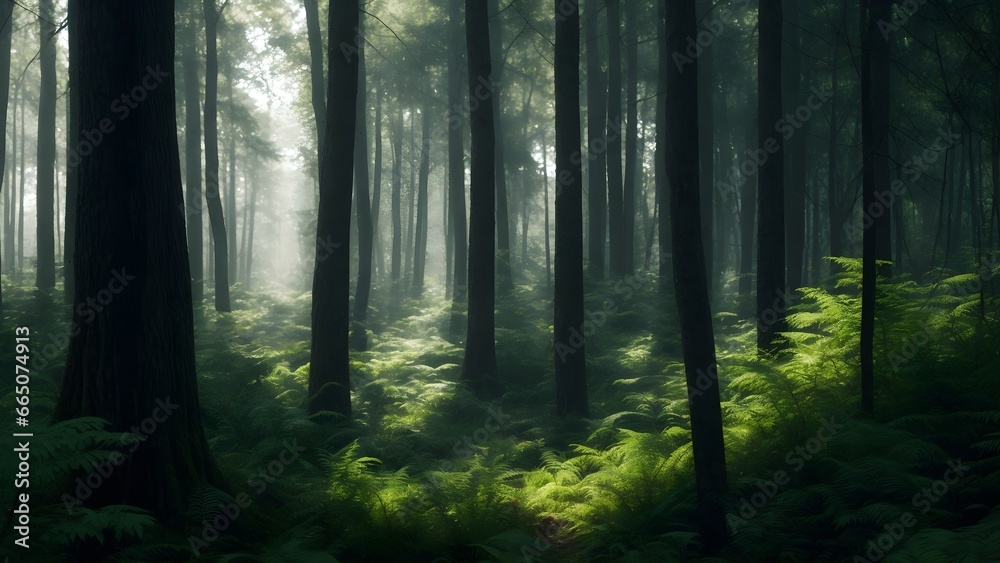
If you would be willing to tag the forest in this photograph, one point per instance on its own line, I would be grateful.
(500, 280)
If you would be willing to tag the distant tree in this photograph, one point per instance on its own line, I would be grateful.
(72, 158)
(318, 90)
(359, 332)
(771, 188)
(571, 367)
(614, 139)
(396, 133)
(213, 194)
(691, 281)
(329, 366)
(456, 166)
(633, 156)
(706, 127)
(192, 146)
(662, 183)
(420, 236)
(6, 30)
(45, 198)
(795, 164)
(597, 158)
(139, 349)
(505, 276)
(479, 368)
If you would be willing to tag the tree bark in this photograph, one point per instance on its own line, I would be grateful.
(614, 140)
(479, 369)
(691, 281)
(504, 269)
(6, 31)
(192, 160)
(665, 266)
(706, 128)
(795, 165)
(329, 368)
(633, 156)
(456, 168)
(45, 237)
(397, 179)
(597, 157)
(139, 349)
(359, 331)
(420, 243)
(212, 187)
(318, 91)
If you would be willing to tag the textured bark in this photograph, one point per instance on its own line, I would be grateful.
(479, 369)
(139, 349)
(570, 359)
(869, 272)
(329, 367)
(212, 187)
(45, 234)
(771, 189)
(614, 140)
(72, 158)
(691, 282)
(597, 157)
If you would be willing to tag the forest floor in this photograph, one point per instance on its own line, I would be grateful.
(425, 472)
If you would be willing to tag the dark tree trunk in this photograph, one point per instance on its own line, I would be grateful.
(45, 241)
(706, 129)
(456, 168)
(359, 332)
(597, 157)
(230, 200)
(691, 282)
(377, 191)
(771, 189)
(6, 30)
(10, 211)
(318, 91)
(20, 205)
(570, 361)
(548, 250)
(666, 264)
(633, 156)
(833, 205)
(479, 369)
(868, 198)
(253, 217)
(881, 109)
(329, 369)
(411, 192)
(795, 164)
(724, 208)
(614, 140)
(192, 160)
(72, 155)
(397, 179)
(212, 187)
(420, 243)
(504, 272)
(139, 349)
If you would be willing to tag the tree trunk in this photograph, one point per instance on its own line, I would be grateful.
(795, 165)
(6, 31)
(479, 369)
(771, 189)
(139, 350)
(397, 179)
(359, 332)
(665, 267)
(570, 359)
(869, 271)
(504, 271)
(633, 156)
(318, 91)
(456, 168)
(253, 217)
(614, 140)
(420, 242)
(230, 200)
(20, 205)
(45, 238)
(691, 281)
(72, 156)
(411, 192)
(834, 215)
(377, 192)
(548, 250)
(706, 129)
(597, 157)
(192, 160)
(724, 208)
(212, 187)
(881, 109)
(329, 368)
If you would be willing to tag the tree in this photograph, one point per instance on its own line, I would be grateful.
(329, 365)
(318, 91)
(662, 184)
(505, 276)
(420, 243)
(571, 374)
(633, 156)
(46, 242)
(691, 281)
(795, 164)
(597, 158)
(614, 139)
(706, 128)
(192, 159)
(456, 166)
(479, 369)
(212, 188)
(771, 188)
(139, 349)
(359, 333)
(6, 30)
(396, 128)
(72, 158)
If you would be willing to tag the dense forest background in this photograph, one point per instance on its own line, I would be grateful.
(500, 280)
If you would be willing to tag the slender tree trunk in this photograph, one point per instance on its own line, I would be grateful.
(397, 173)
(504, 271)
(479, 368)
(597, 158)
(691, 281)
(548, 251)
(192, 160)
(212, 187)
(329, 369)
(253, 217)
(666, 269)
(570, 359)
(318, 91)
(795, 164)
(45, 238)
(834, 216)
(411, 192)
(724, 208)
(456, 168)
(869, 271)
(20, 206)
(6, 31)
(771, 190)
(377, 192)
(881, 110)
(614, 139)
(72, 156)
(10, 213)
(230, 200)
(359, 332)
(243, 229)
(139, 350)
(706, 128)
(420, 242)
(633, 156)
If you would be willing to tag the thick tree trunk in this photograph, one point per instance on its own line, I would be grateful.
(691, 282)
(479, 369)
(420, 236)
(359, 331)
(456, 168)
(570, 359)
(329, 368)
(139, 349)
(614, 140)
(45, 235)
(192, 160)
(771, 305)
(597, 157)
(212, 187)
(633, 156)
